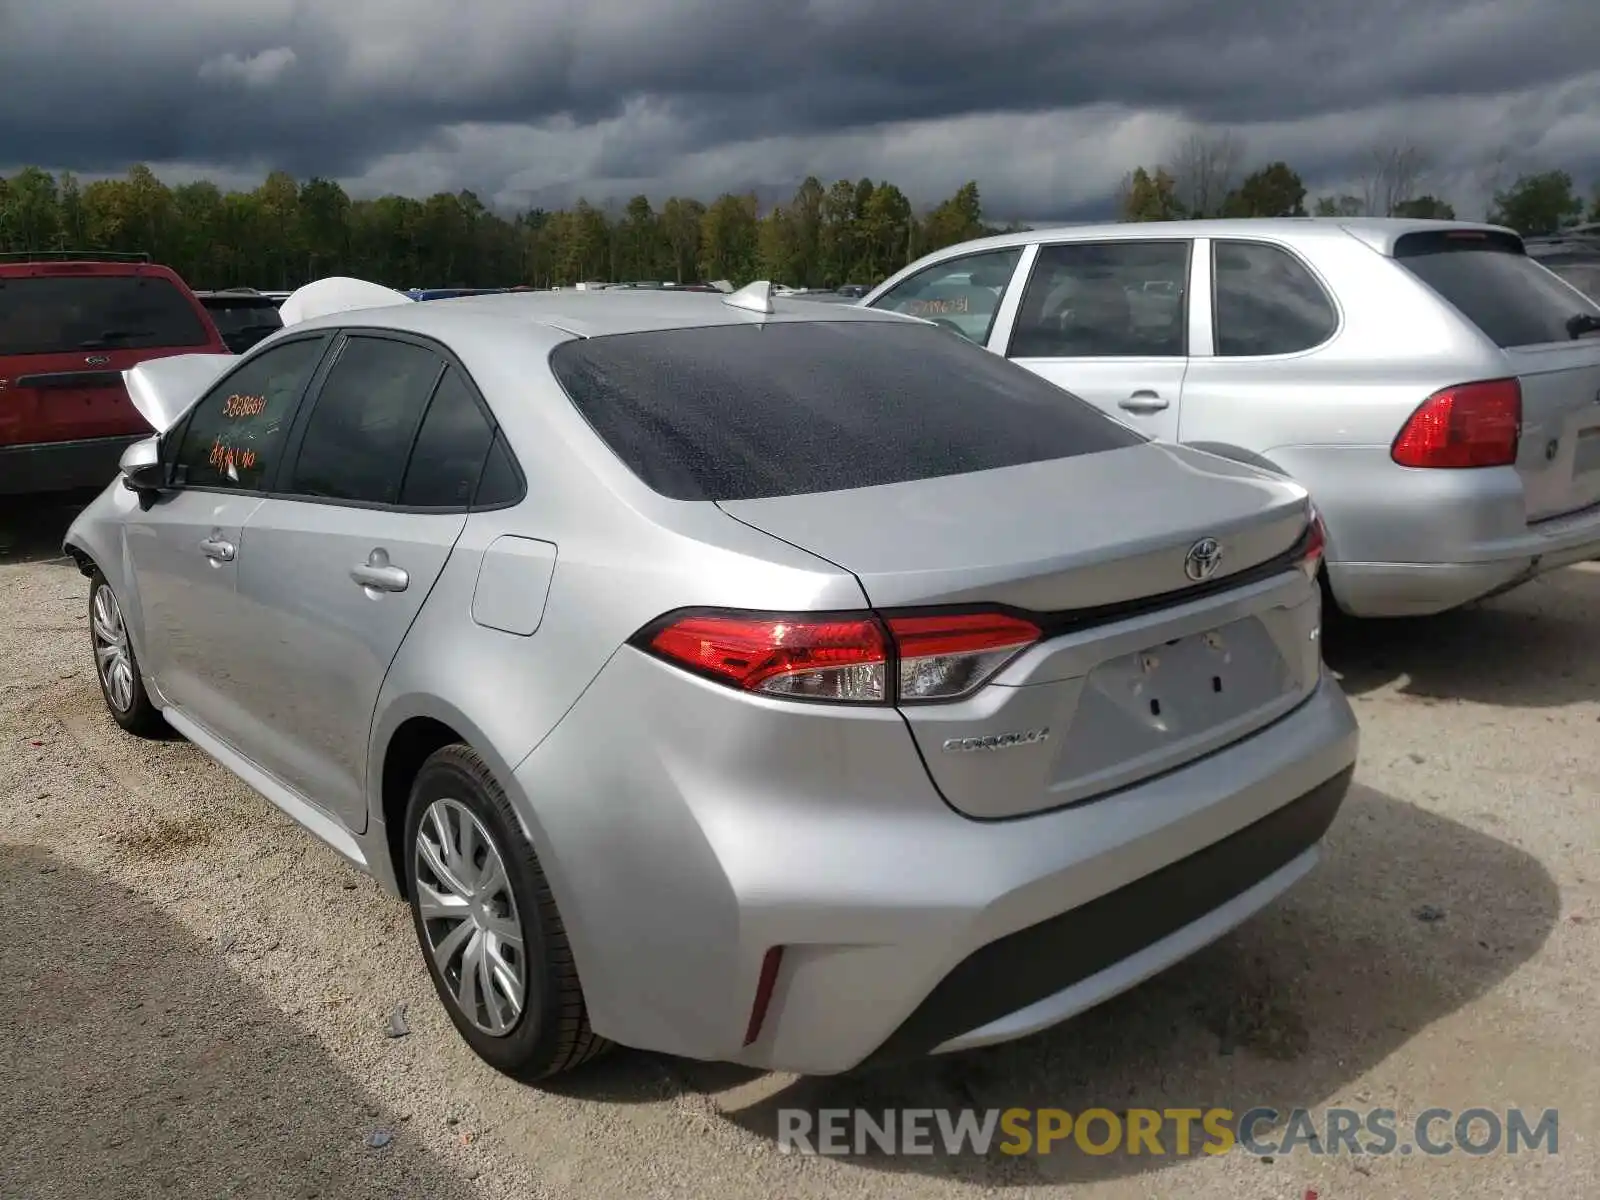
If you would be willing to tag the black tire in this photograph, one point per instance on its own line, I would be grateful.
(139, 716)
(552, 1033)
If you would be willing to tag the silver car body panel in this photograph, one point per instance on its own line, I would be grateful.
(1402, 541)
(687, 827)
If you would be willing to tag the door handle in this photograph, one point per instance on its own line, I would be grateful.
(1144, 401)
(218, 550)
(378, 574)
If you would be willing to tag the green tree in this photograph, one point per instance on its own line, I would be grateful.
(729, 239)
(1273, 191)
(1536, 204)
(958, 219)
(1428, 208)
(1339, 206)
(1147, 197)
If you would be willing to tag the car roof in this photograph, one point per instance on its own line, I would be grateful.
(1381, 233)
(591, 314)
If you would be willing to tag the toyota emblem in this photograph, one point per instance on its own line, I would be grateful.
(1203, 559)
(96, 360)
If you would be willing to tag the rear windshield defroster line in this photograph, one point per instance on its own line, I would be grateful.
(746, 412)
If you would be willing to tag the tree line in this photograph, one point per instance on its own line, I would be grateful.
(287, 232)
(1206, 176)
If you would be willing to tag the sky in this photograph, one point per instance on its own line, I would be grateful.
(1046, 103)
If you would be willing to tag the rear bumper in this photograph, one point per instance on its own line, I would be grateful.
(906, 928)
(61, 466)
(1407, 589)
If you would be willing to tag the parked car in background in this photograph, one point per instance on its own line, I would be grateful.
(450, 293)
(243, 316)
(1012, 706)
(70, 323)
(1436, 389)
(1575, 257)
(853, 290)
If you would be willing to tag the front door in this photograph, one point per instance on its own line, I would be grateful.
(340, 563)
(1107, 321)
(186, 549)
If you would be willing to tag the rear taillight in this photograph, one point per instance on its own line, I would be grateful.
(1473, 425)
(843, 658)
(945, 656)
(1313, 546)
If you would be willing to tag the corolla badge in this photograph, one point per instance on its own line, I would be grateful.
(1203, 559)
(997, 741)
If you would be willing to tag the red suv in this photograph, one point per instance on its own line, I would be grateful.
(68, 329)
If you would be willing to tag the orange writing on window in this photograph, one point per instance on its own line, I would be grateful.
(226, 459)
(244, 406)
(922, 308)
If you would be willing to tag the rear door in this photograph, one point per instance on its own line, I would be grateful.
(68, 331)
(1108, 320)
(1550, 333)
(343, 555)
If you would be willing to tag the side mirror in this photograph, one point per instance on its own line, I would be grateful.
(142, 469)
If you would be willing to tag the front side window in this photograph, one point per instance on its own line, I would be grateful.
(1267, 302)
(365, 417)
(960, 294)
(1110, 299)
(233, 436)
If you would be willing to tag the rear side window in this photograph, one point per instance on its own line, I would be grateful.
(1494, 284)
(59, 314)
(450, 450)
(1267, 302)
(741, 412)
(360, 433)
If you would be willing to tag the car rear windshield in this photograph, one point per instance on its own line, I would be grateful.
(55, 314)
(234, 315)
(1494, 284)
(742, 412)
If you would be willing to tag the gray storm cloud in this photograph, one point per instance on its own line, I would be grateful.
(708, 94)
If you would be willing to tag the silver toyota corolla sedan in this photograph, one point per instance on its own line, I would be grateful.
(1436, 389)
(762, 681)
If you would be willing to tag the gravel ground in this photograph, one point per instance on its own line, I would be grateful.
(196, 995)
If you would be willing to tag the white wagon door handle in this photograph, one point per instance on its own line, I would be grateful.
(377, 573)
(1143, 402)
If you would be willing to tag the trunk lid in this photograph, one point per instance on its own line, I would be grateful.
(1141, 667)
(1082, 533)
(1558, 454)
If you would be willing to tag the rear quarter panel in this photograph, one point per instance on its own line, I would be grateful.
(623, 557)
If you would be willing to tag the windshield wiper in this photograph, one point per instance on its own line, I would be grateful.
(1581, 323)
(114, 335)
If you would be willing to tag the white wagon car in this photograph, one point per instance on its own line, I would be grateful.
(1434, 387)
